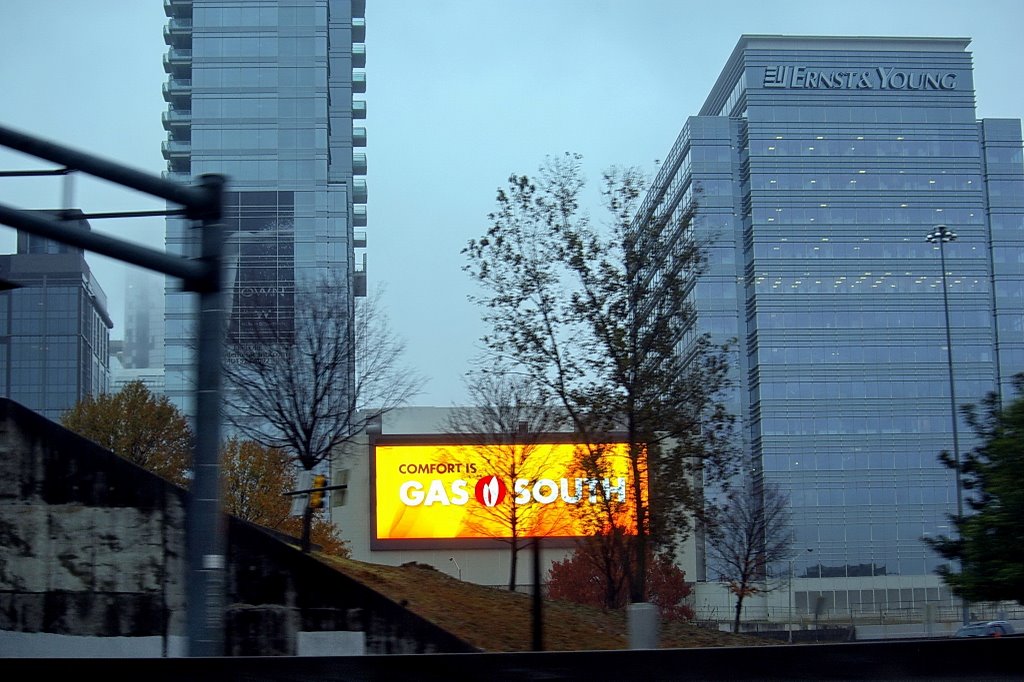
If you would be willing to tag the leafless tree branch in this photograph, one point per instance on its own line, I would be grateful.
(310, 387)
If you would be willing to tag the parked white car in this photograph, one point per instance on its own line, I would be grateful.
(989, 628)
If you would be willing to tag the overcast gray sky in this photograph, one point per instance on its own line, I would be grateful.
(460, 94)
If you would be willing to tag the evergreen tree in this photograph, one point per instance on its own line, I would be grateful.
(990, 541)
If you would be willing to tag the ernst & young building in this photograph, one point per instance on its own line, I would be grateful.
(819, 166)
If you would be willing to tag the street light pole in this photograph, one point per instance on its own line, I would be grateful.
(791, 595)
(790, 628)
(942, 235)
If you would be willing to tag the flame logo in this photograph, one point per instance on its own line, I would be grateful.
(490, 491)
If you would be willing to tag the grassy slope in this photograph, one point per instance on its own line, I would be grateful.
(498, 620)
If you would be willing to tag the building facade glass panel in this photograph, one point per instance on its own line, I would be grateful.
(54, 328)
(270, 106)
(820, 165)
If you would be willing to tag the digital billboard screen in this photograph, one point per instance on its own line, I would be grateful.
(436, 491)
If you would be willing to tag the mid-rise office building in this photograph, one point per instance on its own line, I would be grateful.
(54, 326)
(264, 94)
(819, 167)
(143, 346)
(139, 356)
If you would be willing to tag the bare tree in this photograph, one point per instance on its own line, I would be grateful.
(311, 383)
(603, 317)
(505, 422)
(752, 532)
(609, 545)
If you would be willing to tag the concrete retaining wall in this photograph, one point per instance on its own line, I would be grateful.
(94, 546)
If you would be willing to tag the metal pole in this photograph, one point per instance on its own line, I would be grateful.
(809, 549)
(942, 234)
(207, 540)
(952, 385)
(790, 601)
(53, 228)
(205, 537)
(538, 603)
(196, 200)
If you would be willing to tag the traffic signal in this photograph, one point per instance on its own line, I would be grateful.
(316, 496)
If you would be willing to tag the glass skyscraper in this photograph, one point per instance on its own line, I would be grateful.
(143, 321)
(263, 92)
(819, 165)
(54, 327)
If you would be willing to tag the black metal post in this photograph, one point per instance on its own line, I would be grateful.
(189, 271)
(305, 541)
(196, 200)
(538, 602)
(207, 542)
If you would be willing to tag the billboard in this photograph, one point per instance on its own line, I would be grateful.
(429, 490)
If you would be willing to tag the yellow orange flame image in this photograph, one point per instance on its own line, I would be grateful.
(462, 491)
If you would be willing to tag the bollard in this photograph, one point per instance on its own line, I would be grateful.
(642, 621)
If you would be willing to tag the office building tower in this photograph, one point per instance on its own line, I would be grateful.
(820, 166)
(143, 346)
(263, 93)
(54, 325)
(139, 356)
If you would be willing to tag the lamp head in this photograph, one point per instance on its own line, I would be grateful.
(941, 234)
